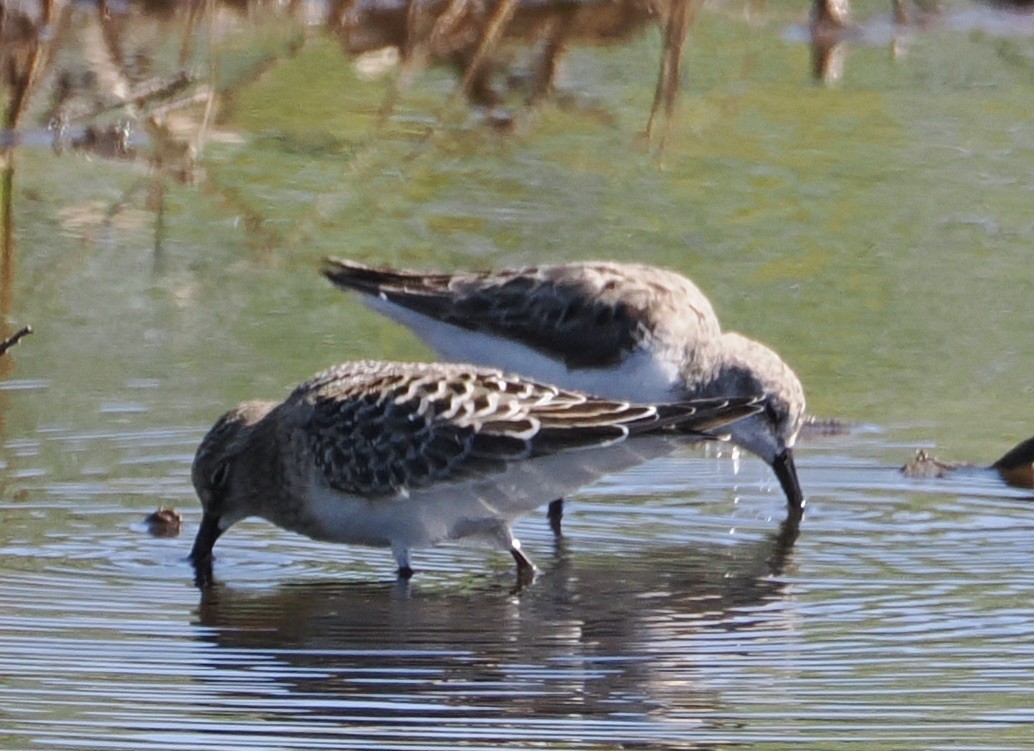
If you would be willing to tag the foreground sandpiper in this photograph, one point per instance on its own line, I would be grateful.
(622, 331)
(407, 455)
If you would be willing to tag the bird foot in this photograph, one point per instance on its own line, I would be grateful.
(525, 568)
(555, 513)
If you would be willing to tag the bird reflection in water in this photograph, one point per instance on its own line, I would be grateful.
(482, 39)
(624, 639)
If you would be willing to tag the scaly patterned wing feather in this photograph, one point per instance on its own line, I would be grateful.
(380, 430)
(585, 315)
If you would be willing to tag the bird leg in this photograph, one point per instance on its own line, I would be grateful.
(401, 553)
(525, 568)
(555, 513)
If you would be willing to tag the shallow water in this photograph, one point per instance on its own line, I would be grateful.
(673, 615)
(874, 231)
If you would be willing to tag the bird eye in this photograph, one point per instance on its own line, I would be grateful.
(220, 475)
(777, 411)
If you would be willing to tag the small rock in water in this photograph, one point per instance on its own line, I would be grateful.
(1017, 466)
(924, 465)
(165, 522)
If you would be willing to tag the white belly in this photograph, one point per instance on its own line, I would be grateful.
(481, 507)
(644, 376)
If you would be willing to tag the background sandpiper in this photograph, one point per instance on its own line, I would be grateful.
(622, 331)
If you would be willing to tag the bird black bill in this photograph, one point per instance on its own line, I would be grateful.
(201, 553)
(786, 471)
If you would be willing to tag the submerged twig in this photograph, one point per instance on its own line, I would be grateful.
(16, 337)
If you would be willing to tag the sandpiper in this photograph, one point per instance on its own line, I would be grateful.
(407, 455)
(621, 331)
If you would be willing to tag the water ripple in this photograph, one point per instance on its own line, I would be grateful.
(673, 615)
